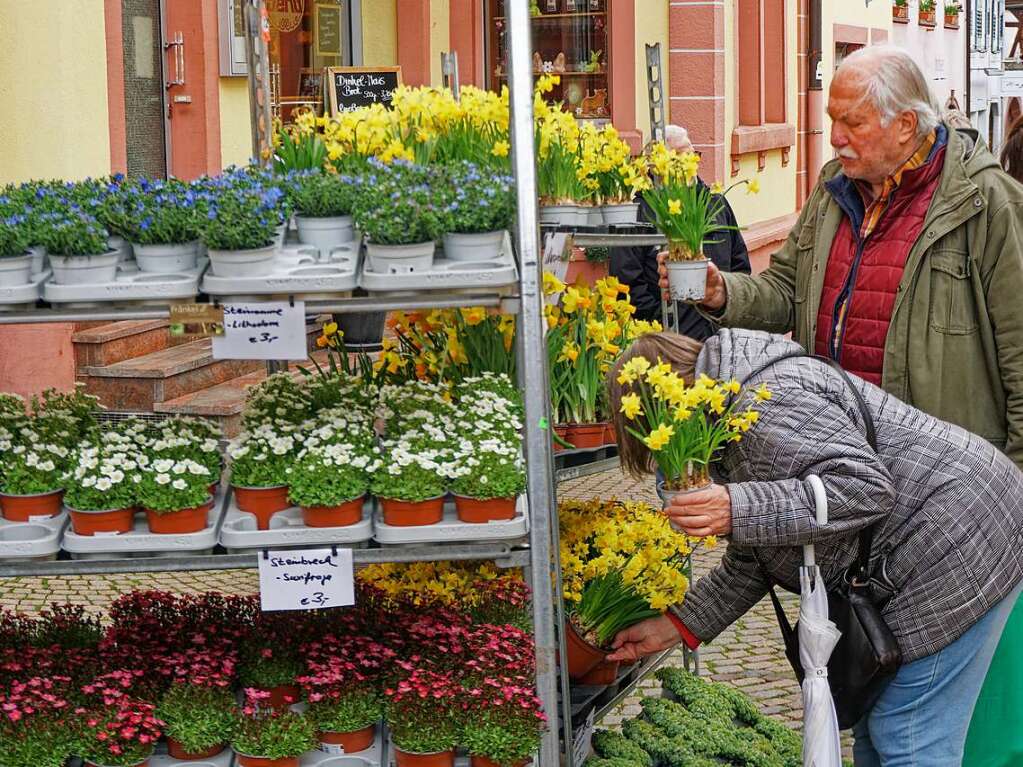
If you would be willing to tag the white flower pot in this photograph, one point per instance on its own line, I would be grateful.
(122, 246)
(594, 215)
(623, 213)
(485, 246)
(167, 258)
(325, 232)
(257, 262)
(401, 259)
(565, 215)
(687, 280)
(15, 271)
(38, 258)
(85, 270)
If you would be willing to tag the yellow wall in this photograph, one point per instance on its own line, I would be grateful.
(235, 126)
(379, 33)
(777, 183)
(651, 27)
(440, 38)
(53, 90)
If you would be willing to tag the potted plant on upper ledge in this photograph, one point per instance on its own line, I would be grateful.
(952, 11)
(900, 11)
(927, 13)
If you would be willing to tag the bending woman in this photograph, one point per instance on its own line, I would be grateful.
(947, 556)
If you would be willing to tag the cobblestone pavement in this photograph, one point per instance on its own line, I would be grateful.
(748, 655)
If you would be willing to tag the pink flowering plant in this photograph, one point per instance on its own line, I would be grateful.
(265, 665)
(118, 734)
(198, 717)
(34, 729)
(341, 682)
(424, 709)
(262, 731)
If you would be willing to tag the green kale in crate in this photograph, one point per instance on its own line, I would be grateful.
(614, 745)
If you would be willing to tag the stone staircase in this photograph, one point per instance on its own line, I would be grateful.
(135, 367)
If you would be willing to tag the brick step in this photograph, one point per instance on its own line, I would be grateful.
(111, 342)
(140, 382)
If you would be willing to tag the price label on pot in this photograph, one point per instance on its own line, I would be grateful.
(269, 330)
(306, 579)
(581, 739)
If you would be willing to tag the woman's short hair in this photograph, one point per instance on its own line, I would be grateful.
(678, 351)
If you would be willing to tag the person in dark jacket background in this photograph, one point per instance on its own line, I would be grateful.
(637, 267)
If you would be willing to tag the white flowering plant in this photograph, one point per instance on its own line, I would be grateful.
(339, 425)
(195, 439)
(413, 470)
(331, 475)
(491, 467)
(408, 406)
(102, 477)
(171, 485)
(280, 400)
(31, 464)
(76, 406)
(262, 457)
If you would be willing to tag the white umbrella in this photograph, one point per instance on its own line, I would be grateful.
(817, 638)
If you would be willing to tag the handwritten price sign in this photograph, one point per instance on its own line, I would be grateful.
(306, 579)
(270, 330)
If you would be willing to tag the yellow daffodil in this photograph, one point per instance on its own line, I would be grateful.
(717, 188)
(330, 329)
(762, 393)
(631, 406)
(552, 284)
(674, 207)
(500, 149)
(753, 186)
(659, 437)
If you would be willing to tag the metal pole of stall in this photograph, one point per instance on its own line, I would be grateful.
(533, 378)
(257, 31)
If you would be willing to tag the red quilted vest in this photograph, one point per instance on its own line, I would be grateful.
(876, 272)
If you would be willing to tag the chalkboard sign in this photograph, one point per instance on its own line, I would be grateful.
(327, 29)
(355, 87)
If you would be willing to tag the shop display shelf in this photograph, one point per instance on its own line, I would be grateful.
(130, 286)
(37, 539)
(445, 274)
(238, 533)
(453, 529)
(300, 272)
(23, 297)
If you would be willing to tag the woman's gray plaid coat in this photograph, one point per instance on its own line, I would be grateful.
(948, 506)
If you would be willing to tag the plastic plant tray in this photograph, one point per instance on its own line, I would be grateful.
(38, 538)
(297, 272)
(238, 531)
(371, 757)
(23, 296)
(224, 759)
(446, 274)
(452, 529)
(140, 541)
(130, 286)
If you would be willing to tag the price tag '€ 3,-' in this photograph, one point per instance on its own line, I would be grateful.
(306, 579)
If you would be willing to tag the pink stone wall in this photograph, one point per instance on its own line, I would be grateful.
(36, 357)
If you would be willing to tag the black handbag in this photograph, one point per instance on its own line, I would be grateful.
(867, 655)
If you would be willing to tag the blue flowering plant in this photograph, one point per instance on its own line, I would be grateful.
(75, 234)
(245, 213)
(401, 203)
(320, 194)
(13, 235)
(477, 201)
(155, 212)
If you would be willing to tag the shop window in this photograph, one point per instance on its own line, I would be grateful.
(762, 82)
(570, 39)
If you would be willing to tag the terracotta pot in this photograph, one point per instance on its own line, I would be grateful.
(143, 763)
(259, 761)
(484, 509)
(19, 508)
(112, 521)
(610, 434)
(440, 759)
(582, 656)
(927, 18)
(261, 502)
(342, 515)
(900, 12)
(482, 761)
(603, 674)
(284, 695)
(562, 431)
(181, 521)
(351, 742)
(175, 750)
(952, 20)
(412, 513)
(586, 435)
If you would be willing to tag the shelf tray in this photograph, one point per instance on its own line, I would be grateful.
(132, 286)
(371, 757)
(238, 531)
(451, 529)
(224, 759)
(446, 274)
(23, 296)
(139, 540)
(36, 539)
(297, 272)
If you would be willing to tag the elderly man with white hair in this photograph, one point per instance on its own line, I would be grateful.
(906, 267)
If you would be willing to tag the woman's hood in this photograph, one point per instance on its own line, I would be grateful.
(732, 353)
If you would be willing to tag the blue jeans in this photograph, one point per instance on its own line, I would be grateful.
(922, 718)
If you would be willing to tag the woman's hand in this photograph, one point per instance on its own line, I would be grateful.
(703, 513)
(715, 294)
(645, 638)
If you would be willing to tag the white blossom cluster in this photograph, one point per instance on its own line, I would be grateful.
(103, 467)
(280, 401)
(167, 471)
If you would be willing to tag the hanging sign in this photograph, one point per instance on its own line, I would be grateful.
(355, 87)
(306, 579)
(285, 15)
(270, 330)
(327, 29)
(196, 320)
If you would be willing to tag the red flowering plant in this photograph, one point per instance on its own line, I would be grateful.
(341, 682)
(107, 689)
(61, 639)
(120, 733)
(503, 600)
(269, 733)
(504, 720)
(425, 709)
(34, 728)
(200, 666)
